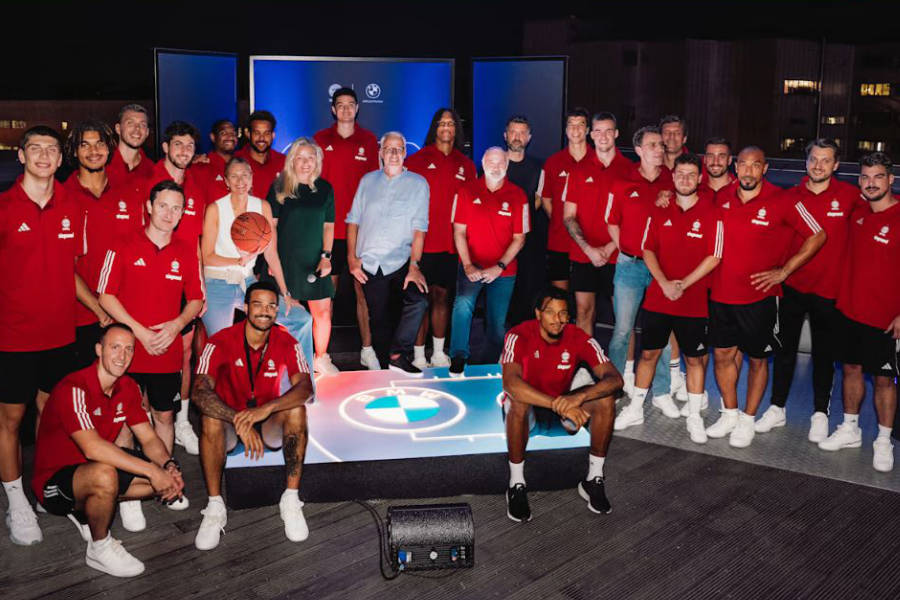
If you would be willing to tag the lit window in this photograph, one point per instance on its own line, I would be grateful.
(19, 124)
(800, 86)
(834, 120)
(4, 123)
(871, 146)
(875, 89)
(64, 125)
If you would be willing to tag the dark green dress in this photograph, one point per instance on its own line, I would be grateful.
(300, 223)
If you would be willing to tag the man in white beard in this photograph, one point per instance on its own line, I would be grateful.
(490, 220)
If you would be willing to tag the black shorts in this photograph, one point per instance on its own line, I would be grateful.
(27, 372)
(870, 347)
(59, 496)
(439, 269)
(161, 388)
(751, 327)
(585, 277)
(86, 339)
(338, 256)
(557, 266)
(691, 332)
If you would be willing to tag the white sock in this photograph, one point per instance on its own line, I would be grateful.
(102, 543)
(216, 499)
(595, 466)
(418, 352)
(15, 493)
(516, 473)
(288, 493)
(183, 413)
(851, 419)
(639, 395)
(730, 411)
(629, 366)
(438, 344)
(675, 364)
(884, 433)
(695, 401)
(368, 349)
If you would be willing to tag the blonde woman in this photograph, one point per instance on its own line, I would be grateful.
(302, 205)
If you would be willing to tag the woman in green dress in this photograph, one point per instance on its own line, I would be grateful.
(303, 211)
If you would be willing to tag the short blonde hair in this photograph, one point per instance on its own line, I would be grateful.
(287, 181)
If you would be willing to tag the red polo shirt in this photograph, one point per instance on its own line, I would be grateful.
(120, 174)
(225, 359)
(588, 189)
(191, 225)
(211, 177)
(263, 173)
(758, 235)
(491, 220)
(445, 175)
(114, 215)
(78, 403)
(681, 240)
(832, 210)
(550, 367)
(631, 200)
(554, 176)
(149, 282)
(870, 289)
(38, 247)
(346, 160)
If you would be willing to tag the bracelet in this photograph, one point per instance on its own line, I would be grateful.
(174, 462)
(501, 264)
(326, 254)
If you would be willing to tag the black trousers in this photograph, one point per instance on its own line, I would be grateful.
(793, 307)
(383, 291)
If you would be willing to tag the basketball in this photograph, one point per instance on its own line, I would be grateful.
(251, 232)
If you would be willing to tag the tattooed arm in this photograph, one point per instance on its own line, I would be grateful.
(207, 400)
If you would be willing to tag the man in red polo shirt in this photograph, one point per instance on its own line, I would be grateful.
(41, 231)
(674, 134)
(490, 220)
(717, 163)
(540, 358)
(551, 188)
(349, 151)
(239, 385)
(442, 163)
(129, 164)
(265, 161)
(812, 289)
(630, 203)
(79, 472)
(683, 245)
(111, 213)
(869, 303)
(141, 284)
(743, 307)
(211, 173)
(592, 252)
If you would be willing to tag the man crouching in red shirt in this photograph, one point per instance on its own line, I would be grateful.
(78, 470)
(540, 358)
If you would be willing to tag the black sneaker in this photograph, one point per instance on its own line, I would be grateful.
(402, 364)
(517, 507)
(457, 366)
(594, 492)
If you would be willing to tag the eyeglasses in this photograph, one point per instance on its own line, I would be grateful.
(391, 151)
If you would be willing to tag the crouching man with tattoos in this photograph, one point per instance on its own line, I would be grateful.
(237, 389)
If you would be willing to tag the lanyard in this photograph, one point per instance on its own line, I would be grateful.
(250, 374)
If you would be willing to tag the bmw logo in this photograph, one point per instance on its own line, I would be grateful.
(402, 409)
(373, 90)
(333, 88)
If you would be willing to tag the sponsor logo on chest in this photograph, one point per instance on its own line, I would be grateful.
(122, 213)
(835, 210)
(564, 363)
(461, 174)
(271, 371)
(760, 218)
(65, 232)
(120, 416)
(189, 208)
(174, 271)
(882, 236)
(695, 230)
(504, 210)
(361, 154)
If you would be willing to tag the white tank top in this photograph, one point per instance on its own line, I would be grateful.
(225, 245)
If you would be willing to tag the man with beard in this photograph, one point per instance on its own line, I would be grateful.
(212, 173)
(674, 135)
(554, 178)
(79, 472)
(490, 220)
(129, 164)
(111, 213)
(869, 303)
(812, 289)
(446, 169)
(239, 378)
(265, 161)
(717, 163)
(743, 307)
(539, 361)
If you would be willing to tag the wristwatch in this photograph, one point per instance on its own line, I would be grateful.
(326, 254)
(501, 264)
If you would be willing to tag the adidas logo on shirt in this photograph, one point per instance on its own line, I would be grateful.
(328, 148)
(219, 178)
(563, 174)
(634, 194)
(24, 227)
(476, 201)
(589, 180)
(887, 366)
(431, 166)
(668, 223)
(700, 346)
(858, 222)
(239, 363)
(97, 412)
(140, 263)
(768, 348)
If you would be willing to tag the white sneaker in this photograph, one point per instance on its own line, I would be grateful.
(323, 365)
(181, 504)
(742, 434)
(678, 387)
(845, 436)
(369, 359)
(83, 530)
(704, 404)
(420, 363)
(628, 386)
(111, 557)
(212, 526)
(818, 427)
(773, 417)
(295, 528)
(132, 515)
(439, 359)
(185, 436)
(725, 425)
(666, 405)
(883, 459)
(631, 415)
(696, 429)
(23, 527)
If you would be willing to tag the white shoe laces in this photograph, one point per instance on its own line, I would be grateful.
(23, 516)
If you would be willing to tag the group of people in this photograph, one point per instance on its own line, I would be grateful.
(132, 269)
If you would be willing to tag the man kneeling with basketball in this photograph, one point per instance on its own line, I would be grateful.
(80, 472)
(540, 358)
(237, 389)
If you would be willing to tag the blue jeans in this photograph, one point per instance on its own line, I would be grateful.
(222, 298)
(498, 294)
(299, 324)
(631, 280)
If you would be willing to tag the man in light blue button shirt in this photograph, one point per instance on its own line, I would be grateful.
(385, 236)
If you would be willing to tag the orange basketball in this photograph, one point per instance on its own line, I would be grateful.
(251, 232)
